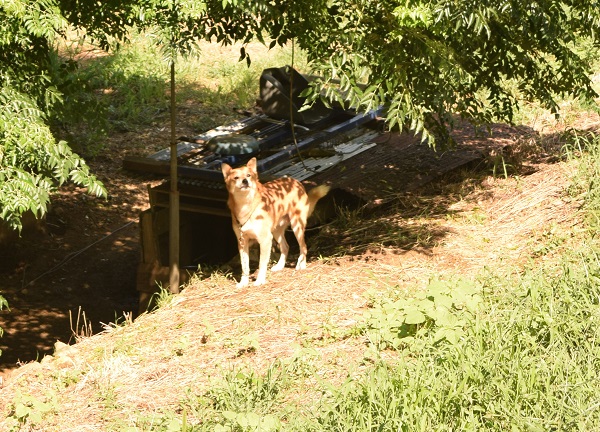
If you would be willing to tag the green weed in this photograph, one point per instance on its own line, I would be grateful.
(163, 297)
(586, 147)
(134, 83)
(3, 305)
(524, 359)
(243, 401)
(248, 391)
(443, 308)
(28, 411)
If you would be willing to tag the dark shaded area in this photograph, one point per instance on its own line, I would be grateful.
(84, 259)
(85, 256)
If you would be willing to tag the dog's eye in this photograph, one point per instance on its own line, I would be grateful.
(236, 178)
(248, 175)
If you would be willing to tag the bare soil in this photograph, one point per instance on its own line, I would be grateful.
(78, 271)
(457, 225)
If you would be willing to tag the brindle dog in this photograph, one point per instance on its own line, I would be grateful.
(262, 212)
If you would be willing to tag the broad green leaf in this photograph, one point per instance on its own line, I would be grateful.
(451, 335)
(414, 316)
(443, 300)
(436, 288)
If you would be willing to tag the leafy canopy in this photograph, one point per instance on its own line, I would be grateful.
(429, 60)
(32, 162)
(426, 61)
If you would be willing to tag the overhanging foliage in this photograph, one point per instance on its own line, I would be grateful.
(430, 60)
(426, 61)
(32, 162)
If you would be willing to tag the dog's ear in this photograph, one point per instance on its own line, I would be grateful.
(226, 169)
(252, 164)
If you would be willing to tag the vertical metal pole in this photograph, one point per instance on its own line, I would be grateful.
(173, 199)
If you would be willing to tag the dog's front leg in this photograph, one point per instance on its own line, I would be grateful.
(265, 254)
(245, 261)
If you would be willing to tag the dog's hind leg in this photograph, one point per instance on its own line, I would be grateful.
(298, 226)
(284, 248)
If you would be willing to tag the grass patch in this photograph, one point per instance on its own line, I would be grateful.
(526, 362)
(508, 350)
(128, 89)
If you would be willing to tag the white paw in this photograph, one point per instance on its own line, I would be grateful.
(301, 265)
(278, 267)
(260, 281)
(243, 282)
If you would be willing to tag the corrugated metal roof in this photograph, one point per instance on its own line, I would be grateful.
(302, 169)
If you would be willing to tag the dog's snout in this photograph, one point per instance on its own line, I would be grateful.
(245, 182)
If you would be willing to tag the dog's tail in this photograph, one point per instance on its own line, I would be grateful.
(314, 195)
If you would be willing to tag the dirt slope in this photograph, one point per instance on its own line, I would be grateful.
(458, 225)
(149, 365)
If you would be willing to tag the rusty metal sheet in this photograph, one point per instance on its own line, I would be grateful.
(397, 163)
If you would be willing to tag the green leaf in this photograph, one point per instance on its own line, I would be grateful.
(252, 420)
(473, 302)
(230, 415)
(443, 317)
(437, 288)
(450, 335)
(443, 300)
(22, 411)
(414, 316)
(3, 303)
(270, 423)
(425, 305)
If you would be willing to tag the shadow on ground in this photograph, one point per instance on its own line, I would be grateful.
(87, 257)
(83, 258)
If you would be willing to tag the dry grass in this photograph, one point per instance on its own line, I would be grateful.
(152, 364)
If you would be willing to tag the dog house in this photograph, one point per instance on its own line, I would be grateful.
(285, 140)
